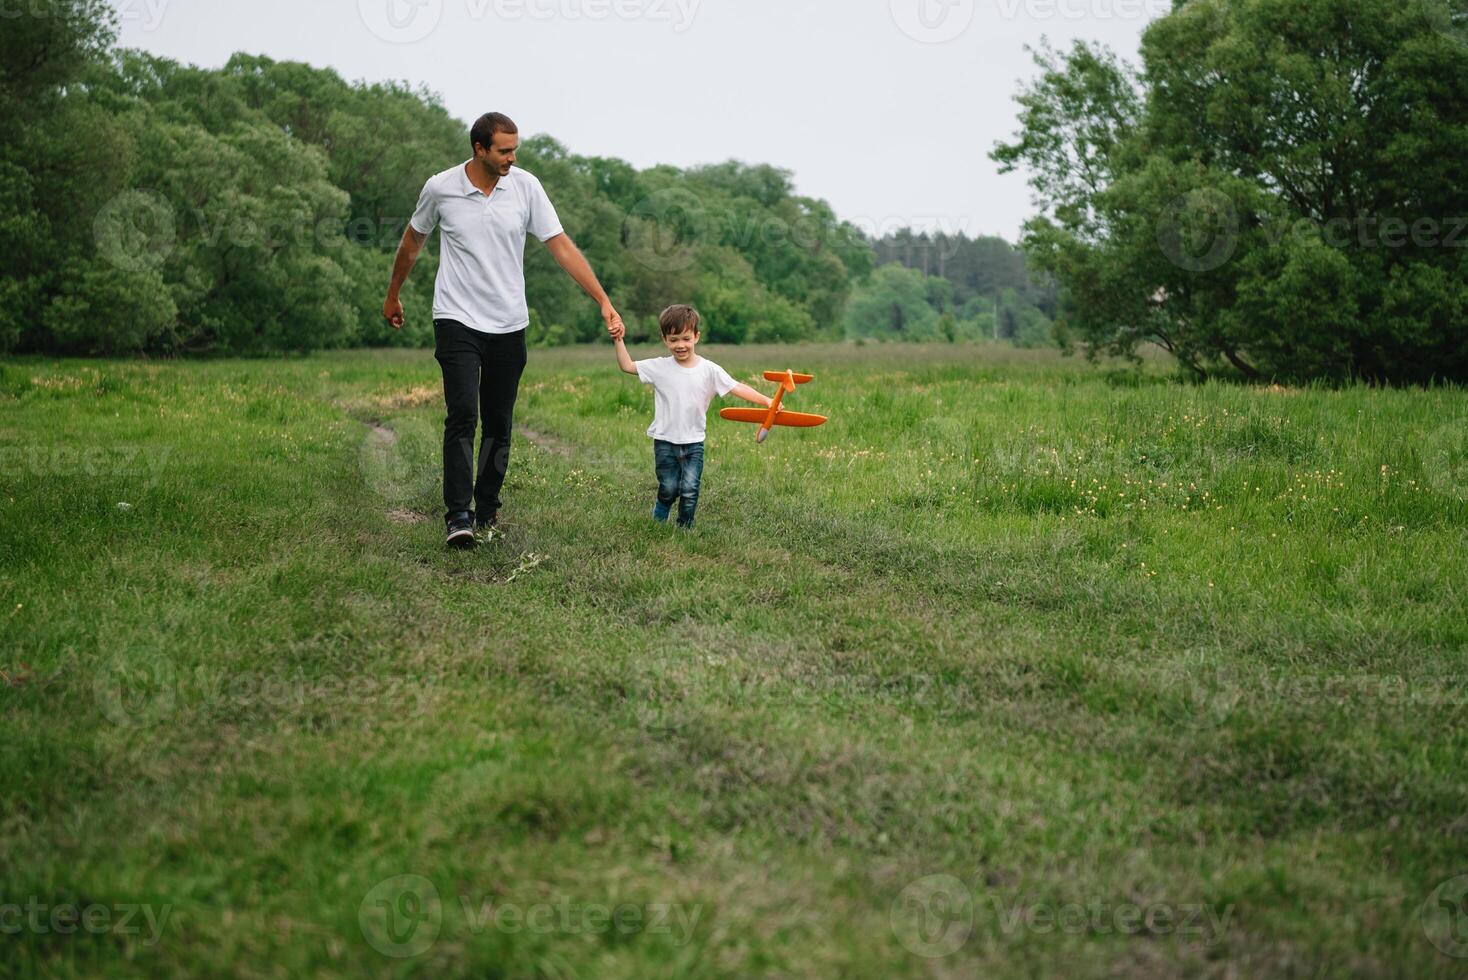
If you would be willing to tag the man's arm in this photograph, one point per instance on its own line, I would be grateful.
(624, 359)
(750, 395)
(408, 251)
(570, 258)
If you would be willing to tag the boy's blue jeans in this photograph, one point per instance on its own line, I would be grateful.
(680, 471)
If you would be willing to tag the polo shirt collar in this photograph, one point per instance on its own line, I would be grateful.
(466, 186)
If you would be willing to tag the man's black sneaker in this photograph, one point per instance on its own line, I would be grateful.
(484, 523)
(461, 532)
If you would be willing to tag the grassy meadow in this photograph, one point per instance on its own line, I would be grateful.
(1018, 667)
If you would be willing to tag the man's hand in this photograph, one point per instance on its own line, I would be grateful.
(408, 250)
(393, 310)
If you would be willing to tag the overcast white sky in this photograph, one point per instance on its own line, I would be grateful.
(885, 108)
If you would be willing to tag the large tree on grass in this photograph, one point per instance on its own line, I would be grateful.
(1280, 190)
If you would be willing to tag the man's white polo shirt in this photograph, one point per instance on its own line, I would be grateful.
(481, 270)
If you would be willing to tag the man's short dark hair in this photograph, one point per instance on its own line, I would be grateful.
(487, 125)
(676, 319)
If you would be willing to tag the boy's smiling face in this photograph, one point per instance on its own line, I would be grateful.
(681, 344)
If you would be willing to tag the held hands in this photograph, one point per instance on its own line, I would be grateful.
(615, 328)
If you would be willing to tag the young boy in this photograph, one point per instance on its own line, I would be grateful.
(684, 385)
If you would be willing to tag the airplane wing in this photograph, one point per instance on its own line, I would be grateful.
(744, 414)
(800, 379)
(757, 415)
(801, 420)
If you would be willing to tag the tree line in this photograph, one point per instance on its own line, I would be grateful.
(941, 286)
(1277, 191)
(153, 206)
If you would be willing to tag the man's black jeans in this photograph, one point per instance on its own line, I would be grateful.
(481, 376)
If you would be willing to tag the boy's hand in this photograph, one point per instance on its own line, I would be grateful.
(618, 330)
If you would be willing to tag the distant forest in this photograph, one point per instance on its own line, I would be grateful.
(151, 206)
(973, 288)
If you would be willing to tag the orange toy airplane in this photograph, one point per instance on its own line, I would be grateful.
(767, 417)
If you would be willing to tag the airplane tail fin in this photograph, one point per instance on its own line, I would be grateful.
(785, 377)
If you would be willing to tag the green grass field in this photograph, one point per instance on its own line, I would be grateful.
(1018, 667)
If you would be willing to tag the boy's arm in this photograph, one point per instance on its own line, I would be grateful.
(750, 395)
(624, 359)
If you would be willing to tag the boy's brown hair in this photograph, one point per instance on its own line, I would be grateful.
(677, 318)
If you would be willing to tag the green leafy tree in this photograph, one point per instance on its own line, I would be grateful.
(102, 309)
(43, 48)
(1272, 193)
(45, 45)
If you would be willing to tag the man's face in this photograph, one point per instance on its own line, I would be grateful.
(681, 344)
(499, 157)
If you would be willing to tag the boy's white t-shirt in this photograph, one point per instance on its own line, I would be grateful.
(682, 396)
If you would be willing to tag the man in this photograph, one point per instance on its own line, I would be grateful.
(485, 207)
